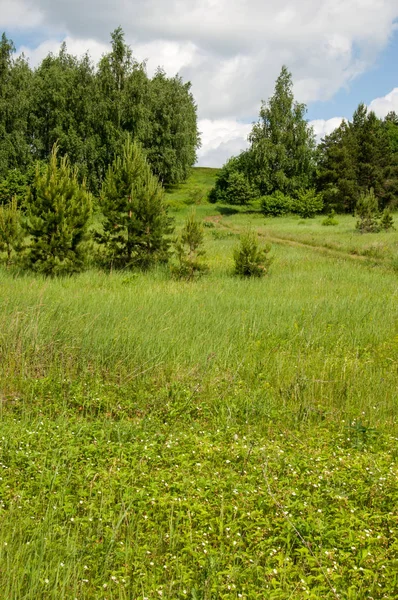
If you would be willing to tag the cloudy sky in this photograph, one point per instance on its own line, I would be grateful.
(341, 52)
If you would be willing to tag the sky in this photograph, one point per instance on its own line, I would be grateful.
(340, 53)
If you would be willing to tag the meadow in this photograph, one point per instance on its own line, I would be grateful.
(222, 438)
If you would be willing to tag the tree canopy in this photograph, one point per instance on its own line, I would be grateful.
(88, 109)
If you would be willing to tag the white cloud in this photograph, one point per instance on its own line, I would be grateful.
(170, 55)
(221, 139)
(232, 50)
(324, 127)
(74, 46)
(382, 106)
(19, 14)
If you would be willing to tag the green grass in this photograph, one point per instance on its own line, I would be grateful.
(208, 440)
(195, 190)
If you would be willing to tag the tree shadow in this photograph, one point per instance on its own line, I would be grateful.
(227, 210)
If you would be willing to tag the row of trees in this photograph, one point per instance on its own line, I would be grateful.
(52, 234)
(285, 168)
(87, 110)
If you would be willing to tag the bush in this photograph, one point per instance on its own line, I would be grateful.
(188, 248)
(386, 221)
(330, 220)
(232, 185)
(308, 204)
(251, 260)
(58, 212)
(276, 205)
(239, 190)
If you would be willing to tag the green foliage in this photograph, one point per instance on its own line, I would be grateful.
(15, 104)
(356, 157)
(330, 220)
(195, 195)
(239, 190)
(58, 212)
(282, 143)
(386, 220)
(276, 205)
(136, 223)
(188, 248)
(308, 203)
(14, 184)
(11, 233)
(251, 259)
(88, 110)
(171, 136)
(367, 210)
(336, 173)
(232, 185)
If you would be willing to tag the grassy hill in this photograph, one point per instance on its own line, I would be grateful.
(195, 190)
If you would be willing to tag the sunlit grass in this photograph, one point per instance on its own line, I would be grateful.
(214, 439)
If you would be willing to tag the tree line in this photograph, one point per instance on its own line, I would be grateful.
(285, 168)
(88, 110)
(54, 234)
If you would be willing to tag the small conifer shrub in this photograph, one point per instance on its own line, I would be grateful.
(188, 249)
(367, 210)
(330, 220)
(251, 259)
(11, 233)
(136, 224)
(58, 213)
(386, 221)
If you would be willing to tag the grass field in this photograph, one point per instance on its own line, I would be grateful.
(207, 440)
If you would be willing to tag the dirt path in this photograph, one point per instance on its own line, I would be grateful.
(218, 220)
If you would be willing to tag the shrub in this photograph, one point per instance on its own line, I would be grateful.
(251, 260)
(330, 220)
(276, 205)
(188, 248)
(239, 190)
(308, 203)
(367, 209)
(11, 233)
(232, 185)
(386, 221)
(58, 212)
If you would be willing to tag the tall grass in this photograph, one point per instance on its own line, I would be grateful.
(312, 318)
(214, 439)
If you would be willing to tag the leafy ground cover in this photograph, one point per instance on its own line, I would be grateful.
(212, 439)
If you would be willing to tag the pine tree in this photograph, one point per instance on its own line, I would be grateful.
(337, 170)
(251, 259)
(367, 210)
(11, 233)
(188, 248)
(373, 154)
(136, 223)
(59, 209)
